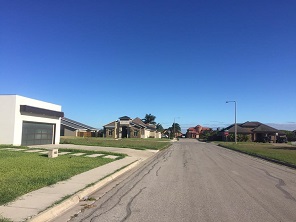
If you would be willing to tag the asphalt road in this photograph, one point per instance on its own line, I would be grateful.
(194, 181)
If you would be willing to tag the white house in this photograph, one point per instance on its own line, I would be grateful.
(25, 121)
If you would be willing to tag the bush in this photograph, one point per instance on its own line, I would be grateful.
(291, 136)
(240, 138)
(210, 135)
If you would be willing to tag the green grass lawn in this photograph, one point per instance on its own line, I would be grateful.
(141, 144)
(23, 172)
(281, 152)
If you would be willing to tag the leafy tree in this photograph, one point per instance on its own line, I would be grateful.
(159, 127)
(210, 135)
(291, 136)
(149, 119)
(175, 128)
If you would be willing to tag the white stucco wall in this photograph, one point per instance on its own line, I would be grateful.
(158, 135)
(7, 119)
(146, 133)
(11, 119)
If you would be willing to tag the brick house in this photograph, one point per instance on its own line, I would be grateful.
(194, 132)
(256, 131)
(126, 127)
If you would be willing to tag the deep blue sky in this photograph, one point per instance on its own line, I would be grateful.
(104, 59)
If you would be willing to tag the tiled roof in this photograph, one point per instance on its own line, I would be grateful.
(191, 129)
(138, 121)
(124, 118)
(76, 125)
(265, 129)
(151, 127)
(250, 127)
(251, 124)
(112, 124)
(239, 129)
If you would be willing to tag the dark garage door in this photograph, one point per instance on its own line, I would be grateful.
(37, 133)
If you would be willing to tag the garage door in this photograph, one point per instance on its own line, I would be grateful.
(37, 133)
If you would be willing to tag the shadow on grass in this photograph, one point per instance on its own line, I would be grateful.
(284, 148)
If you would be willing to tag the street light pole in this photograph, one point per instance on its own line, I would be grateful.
(235, 126)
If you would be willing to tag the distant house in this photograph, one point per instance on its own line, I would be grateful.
(194, 132)
(126, 127)
(169, 133)
(256, 131)
(73, 128)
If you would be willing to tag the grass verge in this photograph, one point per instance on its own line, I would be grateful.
(2, 219)
(23, 172)
(283, 154)
(140, 144)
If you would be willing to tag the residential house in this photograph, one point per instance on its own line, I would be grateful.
(26, 121)
(255, 131)
(73, 128)
(194, 132)
(126, 127)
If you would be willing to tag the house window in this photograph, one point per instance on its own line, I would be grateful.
(135, 133)
(110, 132)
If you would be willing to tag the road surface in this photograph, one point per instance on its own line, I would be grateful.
(195, 181)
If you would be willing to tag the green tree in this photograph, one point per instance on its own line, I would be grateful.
(159, 127)
(174, 129)
(149, 119)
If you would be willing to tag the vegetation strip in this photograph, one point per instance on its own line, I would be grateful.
(70, 200)
(23, 172)
(286, 159)
(139, 144)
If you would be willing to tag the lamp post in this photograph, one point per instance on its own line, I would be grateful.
(235, 126)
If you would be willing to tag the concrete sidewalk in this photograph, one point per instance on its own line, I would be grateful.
(30, 205)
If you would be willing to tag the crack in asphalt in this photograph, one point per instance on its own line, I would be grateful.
(128, 206)
(280, 185)
(167, 155)
(184, 158)
(158, 171)
(121, 197)
(126, 180)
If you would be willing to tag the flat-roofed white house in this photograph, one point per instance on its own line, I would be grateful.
(26, 121)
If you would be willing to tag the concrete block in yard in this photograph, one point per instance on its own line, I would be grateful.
(52, 153)
(110, 157)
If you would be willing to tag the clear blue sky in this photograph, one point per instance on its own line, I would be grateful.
(104, 59)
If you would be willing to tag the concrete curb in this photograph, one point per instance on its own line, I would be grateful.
(65, 205)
